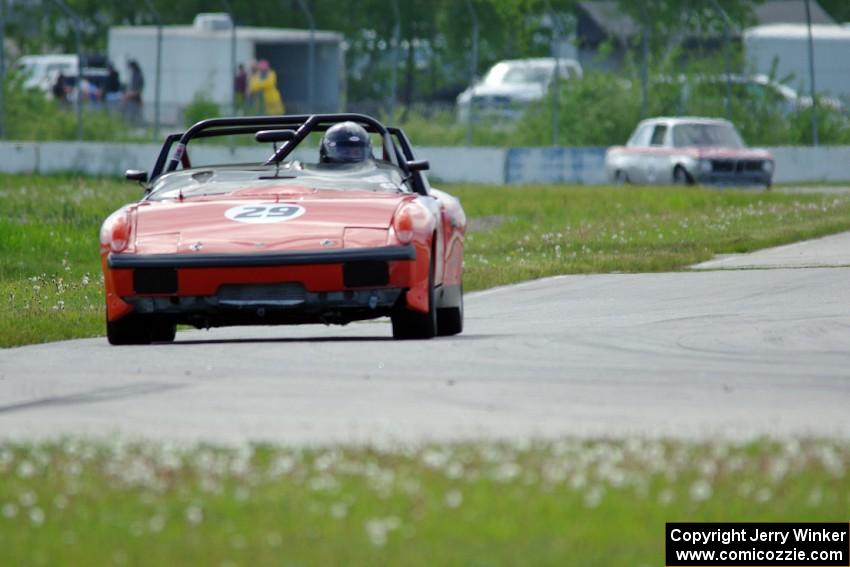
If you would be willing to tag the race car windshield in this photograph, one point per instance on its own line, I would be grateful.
(522, 75)
(706, 135)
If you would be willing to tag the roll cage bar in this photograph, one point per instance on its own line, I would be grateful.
(303, 124)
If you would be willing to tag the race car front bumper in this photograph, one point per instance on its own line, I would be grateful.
(337, 285)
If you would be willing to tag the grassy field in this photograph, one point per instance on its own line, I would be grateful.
(50, 285)
(591, 503)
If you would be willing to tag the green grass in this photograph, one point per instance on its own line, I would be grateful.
(50, 286)
(541, 231)
(568, 502)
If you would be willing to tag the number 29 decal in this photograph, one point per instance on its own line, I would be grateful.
(264, 213)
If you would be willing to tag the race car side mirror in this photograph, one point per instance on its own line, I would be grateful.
(418, 165)
(275, 135)
(136, 175)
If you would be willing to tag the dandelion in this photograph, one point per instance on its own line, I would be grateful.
(241, 494)
(156, 523)
(453, 498)
(506, 472)
(6, 458)
(763, 495)
(194, 514)
(435, 459)
(593, 497)
(454, 470)
(36, 516)
(339, 510)
(815, 497)
(9, 510)
(378, 529)
(700, 490)
(323, 483)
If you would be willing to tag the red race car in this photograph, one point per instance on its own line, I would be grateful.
(346, 237)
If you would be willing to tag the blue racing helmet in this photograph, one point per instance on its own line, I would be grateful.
(346, 142)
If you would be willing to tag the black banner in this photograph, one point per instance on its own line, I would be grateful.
(764, 545)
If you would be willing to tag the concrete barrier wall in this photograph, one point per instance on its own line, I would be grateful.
(794, 164)
(799, 164)
(584, 166)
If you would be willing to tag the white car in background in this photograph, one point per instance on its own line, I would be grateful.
(509, 86)
(753, 88)
(687, 151)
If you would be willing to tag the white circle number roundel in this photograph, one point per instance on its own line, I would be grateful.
(264, 213)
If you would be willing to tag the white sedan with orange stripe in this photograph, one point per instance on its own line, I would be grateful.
(688, 151)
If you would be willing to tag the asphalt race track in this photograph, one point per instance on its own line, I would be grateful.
(738, 353)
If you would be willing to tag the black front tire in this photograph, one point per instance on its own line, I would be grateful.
(450, 319)
(136, 330)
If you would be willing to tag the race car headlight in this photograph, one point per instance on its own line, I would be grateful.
(115, 231)
(403, 225)
(767, 166)
(705, 165)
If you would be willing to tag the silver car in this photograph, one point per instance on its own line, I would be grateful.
(686, 151)
(509, 86)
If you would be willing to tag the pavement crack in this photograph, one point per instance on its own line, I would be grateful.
(92, 396)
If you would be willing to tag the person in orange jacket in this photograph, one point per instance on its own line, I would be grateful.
(263, 86)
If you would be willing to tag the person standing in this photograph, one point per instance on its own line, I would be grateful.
(263, 85)
(133, 94)
(240, 86)
(111, 88)
(60, 89)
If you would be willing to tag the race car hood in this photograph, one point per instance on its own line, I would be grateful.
(731, 153)
(264, 221)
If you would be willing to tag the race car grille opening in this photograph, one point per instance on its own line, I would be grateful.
(365, 274)
(288, 293)
(155, 280)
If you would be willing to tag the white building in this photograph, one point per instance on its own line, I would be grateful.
(787, 44)
(197, 59)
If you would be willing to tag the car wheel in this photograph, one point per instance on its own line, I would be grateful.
(163, 332)
(620, 178)
(135, 330)
(681, 177)
(409, 324)
(450, 319)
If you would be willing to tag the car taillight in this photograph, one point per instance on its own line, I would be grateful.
(403, 225)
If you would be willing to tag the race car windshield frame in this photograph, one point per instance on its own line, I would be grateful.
(303, 125)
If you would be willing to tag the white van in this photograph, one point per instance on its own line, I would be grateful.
(40, 71)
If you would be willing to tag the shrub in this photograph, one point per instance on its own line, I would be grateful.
(31, 115)
(201, 108)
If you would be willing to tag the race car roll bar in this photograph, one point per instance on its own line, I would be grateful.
(304, 125)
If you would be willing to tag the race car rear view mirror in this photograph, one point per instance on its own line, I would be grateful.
(418, 165)
(136, 175)
(275, 135)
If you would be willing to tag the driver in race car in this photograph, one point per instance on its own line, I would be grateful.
(346, 142)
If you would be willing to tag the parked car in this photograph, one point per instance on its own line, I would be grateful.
(756, 88)
(348, 237)
(509, 86)
(688, 150)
